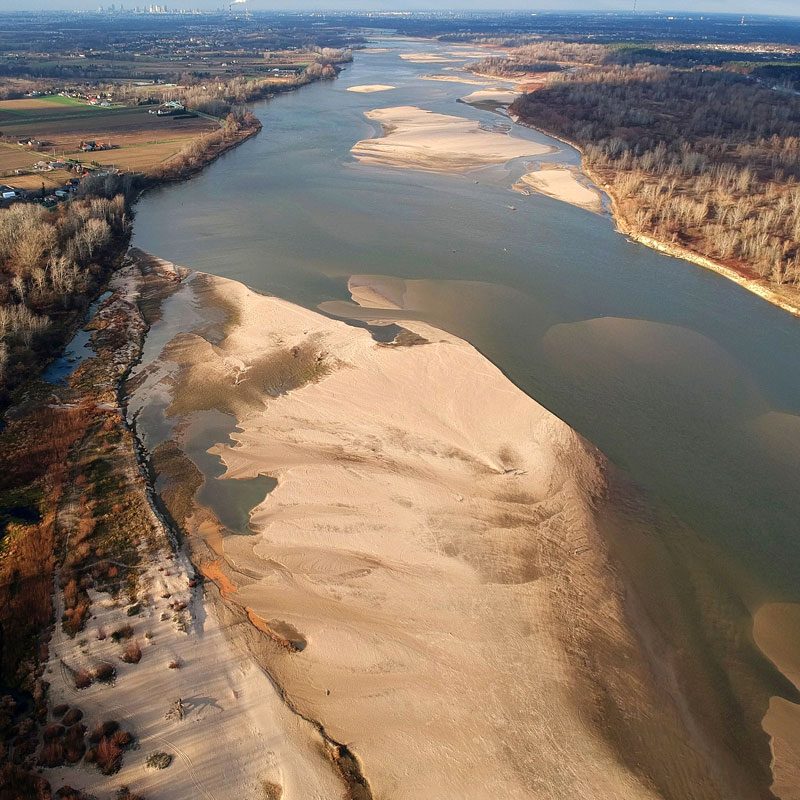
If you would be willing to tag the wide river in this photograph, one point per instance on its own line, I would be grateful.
(688, 383)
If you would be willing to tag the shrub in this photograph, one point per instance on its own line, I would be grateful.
(124, 793)
(101, 729)
(175, 664)
(134, 609)
(133, 653)
(106, 755)
(83, 679)
(158, 760)
(74, 748)
(105, 672)
(53, 732)
(72, 716)
(125, 632)
(60, 710)
(121, 738)
(51, 755)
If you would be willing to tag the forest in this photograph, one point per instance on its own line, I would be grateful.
(702, 158)
(51, 262)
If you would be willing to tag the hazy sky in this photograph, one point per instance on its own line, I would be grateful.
(788, 7)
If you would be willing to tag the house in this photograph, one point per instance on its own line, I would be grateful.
(90, 147)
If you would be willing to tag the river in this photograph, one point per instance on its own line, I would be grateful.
(688, 383)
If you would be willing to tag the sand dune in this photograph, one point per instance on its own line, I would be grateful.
(432, 543)
(439, 142)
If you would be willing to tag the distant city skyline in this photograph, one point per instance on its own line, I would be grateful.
(779, 7)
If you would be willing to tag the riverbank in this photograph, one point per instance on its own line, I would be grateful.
(389, 556)
(141, 653)
(787, 299)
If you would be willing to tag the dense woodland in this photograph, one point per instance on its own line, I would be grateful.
(703, 158)
(50, 262)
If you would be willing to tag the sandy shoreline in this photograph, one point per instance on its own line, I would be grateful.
(561, 183)
(757, 287)
(418, 139)
(431, 542)
(193, 648)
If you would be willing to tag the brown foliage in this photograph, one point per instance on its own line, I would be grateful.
(707, 160)
(133, 653)
(83, 679)
(106, 755)
(105, 672)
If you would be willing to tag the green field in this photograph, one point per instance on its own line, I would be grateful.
(64, 101)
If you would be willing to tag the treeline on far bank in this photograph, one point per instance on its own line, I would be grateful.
(705, 160)
(696, 155)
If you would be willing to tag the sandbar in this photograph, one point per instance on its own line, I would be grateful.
(468, 79)
(368, 88)
(497, 96)
(561, 183)
(432, 542)
(426, 140)
(427, 58)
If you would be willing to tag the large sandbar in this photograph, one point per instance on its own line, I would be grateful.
(422, 139)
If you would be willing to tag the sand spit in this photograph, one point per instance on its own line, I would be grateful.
(561, 183)
(776, 628)
(438, 142)
(431, 556)
(495, 96)
(369, 88)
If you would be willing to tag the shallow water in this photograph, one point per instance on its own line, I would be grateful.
(78, 350)
(687, 382)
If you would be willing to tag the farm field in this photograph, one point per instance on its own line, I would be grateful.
(140, 140)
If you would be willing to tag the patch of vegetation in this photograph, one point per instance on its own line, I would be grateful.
(183, 479)
(158, 760)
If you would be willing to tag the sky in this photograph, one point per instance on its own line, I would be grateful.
(787, 7)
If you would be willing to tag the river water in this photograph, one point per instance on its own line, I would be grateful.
(688, 383)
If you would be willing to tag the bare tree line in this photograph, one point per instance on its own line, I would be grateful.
(48, 261)
(706, 160)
